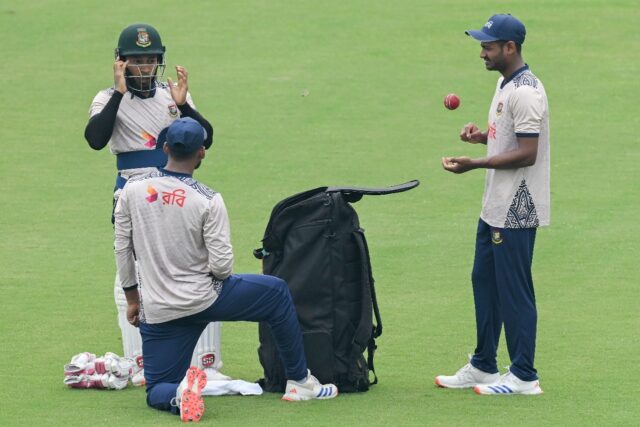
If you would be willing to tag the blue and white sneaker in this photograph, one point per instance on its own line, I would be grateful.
(467, 377)
(509, 384)
(309, 389)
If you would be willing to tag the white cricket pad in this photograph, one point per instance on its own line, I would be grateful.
(207, 353)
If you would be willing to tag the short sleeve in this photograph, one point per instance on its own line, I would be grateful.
(190, 101)
(99, 101)
(527, 107)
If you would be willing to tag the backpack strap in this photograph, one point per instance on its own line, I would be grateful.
(353, 194)
(365, 337)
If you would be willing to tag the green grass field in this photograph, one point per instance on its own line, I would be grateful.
(374, 74)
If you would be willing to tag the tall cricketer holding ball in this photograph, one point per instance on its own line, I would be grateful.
(516, 202)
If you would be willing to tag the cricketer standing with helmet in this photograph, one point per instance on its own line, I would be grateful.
(129, 117)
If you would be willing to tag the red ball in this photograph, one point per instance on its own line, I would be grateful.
(452, 101)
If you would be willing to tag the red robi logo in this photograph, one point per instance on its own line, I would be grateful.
(492, 131)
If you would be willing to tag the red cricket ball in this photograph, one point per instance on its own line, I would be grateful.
(452, 101)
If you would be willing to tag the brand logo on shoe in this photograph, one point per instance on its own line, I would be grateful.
(293, 390)
(500, 389)
(325, 392)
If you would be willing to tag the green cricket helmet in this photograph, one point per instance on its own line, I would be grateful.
(141, 40)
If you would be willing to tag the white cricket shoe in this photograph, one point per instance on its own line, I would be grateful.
(509, 384)
(468, 376)
(215, 375)
(189, 395)
(309, 389)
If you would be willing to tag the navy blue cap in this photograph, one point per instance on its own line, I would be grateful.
(500, 27)
(185, 135)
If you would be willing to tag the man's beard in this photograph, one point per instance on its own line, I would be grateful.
(141, 84)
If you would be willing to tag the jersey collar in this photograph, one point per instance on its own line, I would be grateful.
(514, 75)
(176, 174)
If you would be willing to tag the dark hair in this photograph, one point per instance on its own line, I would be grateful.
(181, 156)
(518, 45)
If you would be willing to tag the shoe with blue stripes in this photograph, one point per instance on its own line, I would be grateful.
(467, 377)
(309, 389)
(509, 384)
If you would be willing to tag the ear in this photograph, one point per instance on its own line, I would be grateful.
(201, 153)
(165, 148)
(511, 48)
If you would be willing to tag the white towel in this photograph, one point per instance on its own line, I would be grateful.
(227, 387)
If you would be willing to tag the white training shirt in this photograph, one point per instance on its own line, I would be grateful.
(139, 120)
(179, 231)
(518, 198)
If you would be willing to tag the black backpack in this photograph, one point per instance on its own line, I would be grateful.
(314, 242)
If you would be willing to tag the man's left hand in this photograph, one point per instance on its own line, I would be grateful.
(179, 90)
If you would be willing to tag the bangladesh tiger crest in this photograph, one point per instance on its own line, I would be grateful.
(499, 108)
(173, 110)
(496, 237)
(143, 38)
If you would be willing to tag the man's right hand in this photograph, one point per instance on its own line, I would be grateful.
(119, 68)
(471, 134)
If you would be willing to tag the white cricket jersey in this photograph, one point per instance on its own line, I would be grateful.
(179, 231)
(518, 198)
(139, 120)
